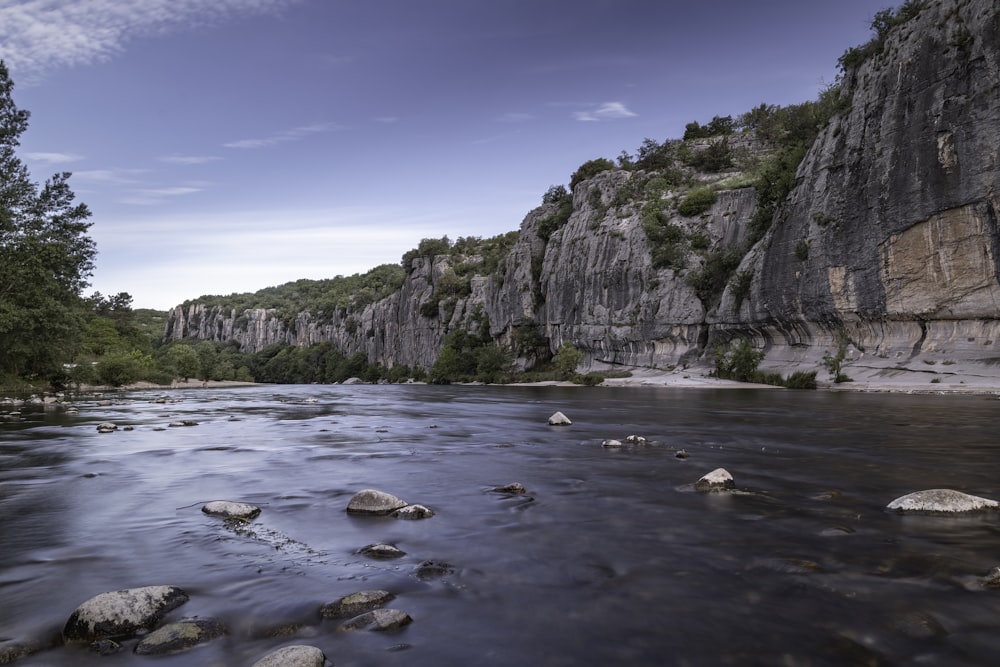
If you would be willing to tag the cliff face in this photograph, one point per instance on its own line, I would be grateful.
(889, 242)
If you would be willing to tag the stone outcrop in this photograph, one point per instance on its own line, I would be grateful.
(122, 613)
(888, 243)
(941, 501)
(889, 240)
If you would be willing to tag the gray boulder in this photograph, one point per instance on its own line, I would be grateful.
(356, 603)
(293, 656)
(378, 620)
(372, 501)
(413, 512)
(122, 613)
(717, 480)
(940, 501)
(381, 551)
(231, 510)
(180, 636)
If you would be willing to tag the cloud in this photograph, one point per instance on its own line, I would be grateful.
(606, 111)
(39, 35)
(294, 134)
(156, 196)
(189, 159)
(111, 176)
(54, 158)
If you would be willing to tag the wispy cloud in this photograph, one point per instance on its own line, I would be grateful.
(39, 35)
(285, 136)
(109, 176)
(187, 160)
(606, 111)
(54, 158)
(156, 196)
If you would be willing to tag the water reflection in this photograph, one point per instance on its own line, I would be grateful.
(609, 556)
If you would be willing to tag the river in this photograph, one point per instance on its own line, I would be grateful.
(609, 558)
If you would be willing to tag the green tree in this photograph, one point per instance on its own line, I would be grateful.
(184, 361)
(46, 257)
(566, 360)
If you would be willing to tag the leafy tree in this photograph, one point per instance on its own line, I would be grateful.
(589, 169)
(184, 360)
(566, 360)
(555, 194)
(122, 368)
(738, 362)
(46, 257)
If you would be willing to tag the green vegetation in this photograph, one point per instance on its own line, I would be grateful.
(719, 125)
(46, 258)
(697, 201)
(588, 170)
(834, 362)
(667, 241)
(882, 24)
(741, 362)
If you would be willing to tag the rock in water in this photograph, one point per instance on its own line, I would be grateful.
(231, 510)
(180, 636)
(941, 501)
(378, 620)
(356, 603)
(381, 551)
(559, 419)
(371, 501)
(293, 656)
(717, 480)
(122, 613)
(413, 512)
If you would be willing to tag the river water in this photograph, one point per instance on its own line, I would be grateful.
(609, 558)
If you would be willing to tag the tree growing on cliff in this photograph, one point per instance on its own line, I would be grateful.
(46, 257)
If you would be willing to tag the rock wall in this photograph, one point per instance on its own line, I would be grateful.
(889, 239)
(888, 242)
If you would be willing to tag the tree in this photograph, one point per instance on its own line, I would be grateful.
(46, 257)
(184, 360)
(566, 360)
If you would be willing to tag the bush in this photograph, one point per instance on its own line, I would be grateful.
(566, 360)
(738, 362)
(697, 201)
(711, 279)
(590, 169)
(801, 380)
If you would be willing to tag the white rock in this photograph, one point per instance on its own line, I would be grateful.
(413, 512)
(611, 443)
(942, 501)
(717, 480)
(559, 419)
(231, 510)
(293, 656)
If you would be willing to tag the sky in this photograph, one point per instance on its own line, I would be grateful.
(230, 145)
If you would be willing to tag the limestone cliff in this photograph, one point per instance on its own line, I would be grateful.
(888, 242)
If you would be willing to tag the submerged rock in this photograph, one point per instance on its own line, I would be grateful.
(514, 488)
(107, 427)
(636, 440)
(559, 419)
(372, 501)
(611, 444)
(180, 636)
(356, 603)
(378, 620)
(413, 512)
(433, 569)
(941, 501)
(231, 510)
(293, 656)
(122, 613)
(717, 480)
(381, 551)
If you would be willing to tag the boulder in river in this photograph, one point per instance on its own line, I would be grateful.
(717, 480)
(940, 501)
(514, 489)
(372, 501)
(180, 636)
(107, 427)
(413, 512)
(293, 656)
(122, 613)
(381, 551)
(559, 419)
(231, 510)
(356, 603)
(378, 620)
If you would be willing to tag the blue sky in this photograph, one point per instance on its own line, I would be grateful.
(230, 145)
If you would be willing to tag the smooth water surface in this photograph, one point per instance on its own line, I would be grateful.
(610, 558)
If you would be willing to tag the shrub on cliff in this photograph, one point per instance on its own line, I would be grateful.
(697, 201)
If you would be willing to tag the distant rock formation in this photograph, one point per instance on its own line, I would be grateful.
(887, 245)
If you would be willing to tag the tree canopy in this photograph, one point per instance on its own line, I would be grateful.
(46, 257)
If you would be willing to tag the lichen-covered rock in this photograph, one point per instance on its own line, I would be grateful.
(717, 480)
(413, 512)
(180, 636)
(378, 620)
(941, 501)
(293, 656)
(231, 510)
(373, 501)
(514, 489)
(559, 419)
(381, 551)
(122, 613)
(356, 603)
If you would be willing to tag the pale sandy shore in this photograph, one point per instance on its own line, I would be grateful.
(948, 380)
